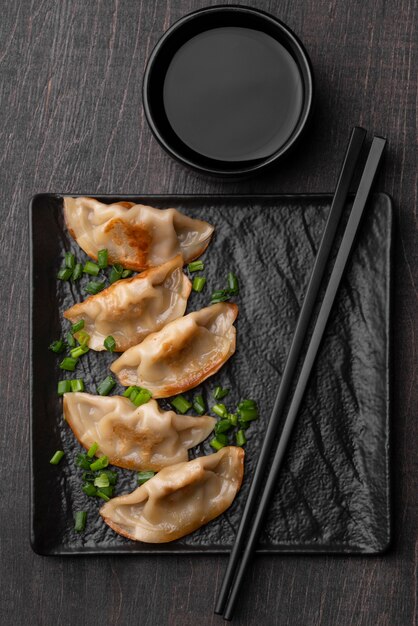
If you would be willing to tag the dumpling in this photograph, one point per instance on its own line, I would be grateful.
(179, 499)
(133, 437)
(135, 235)
(131, 309)
(182, 354)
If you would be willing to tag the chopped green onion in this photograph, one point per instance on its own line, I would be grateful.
(233, 287)
(77, 384)
(77, 272)
(107, 491)
(57, 346)
(198, 283)
(92, 450)
(142, 397)
(101, 481)
(244, 425)
(240, 438)
(89, 489)
(233, 418)
(83, 461)
(94, 287)
(126, 273)
(112, 476)
(69, 260)
(70, 340)
(83, 338)
(115, 273)
(196, 266)
(80, 521)
(64, 273)
(68, 364)
(91, 268)
(99, 464)
(181, 404)
(106, 386)
(102, 257)
(247, 415)
(128, 391)
(64, 386)
(220, 393)
(219, 296)
(109, 343)
(220, 409)
(134, 393)
(142, 477)
(57, 457)
(102, 495)
(223, 426)
(199, 404)
(79, 351)
(77, 326)
(89, 477)
(216, 444)
(247, 404)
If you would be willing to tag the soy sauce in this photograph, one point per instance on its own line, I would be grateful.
(233, 94)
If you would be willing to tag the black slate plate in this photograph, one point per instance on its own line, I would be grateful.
(333, 495)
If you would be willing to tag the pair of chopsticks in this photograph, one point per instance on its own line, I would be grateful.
(262, 486)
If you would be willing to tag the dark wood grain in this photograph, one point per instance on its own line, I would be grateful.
(72, 121)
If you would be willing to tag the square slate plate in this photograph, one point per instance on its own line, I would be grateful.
(333, 494)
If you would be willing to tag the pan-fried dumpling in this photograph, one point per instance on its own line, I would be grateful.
(131, 309)
(182, 354)
(179, 499)
(135, 235)
(138, 438)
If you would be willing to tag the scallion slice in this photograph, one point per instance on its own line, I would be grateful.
(233, 418)
(102, 495)
(112, 476)
(223, 426)
(68, 364)
(83, 338)
(83, 461)
(69, 260)
(198, 283)
(92, 450)
(94, 287)
(219, 296)
(91, 268)
(128, 391)
(57, 346)
(64, 273)
(79, 351)
(106, 386)
(64, 386)
(77, 326)
(240, 438)
(109, 343)
(220, 393)
(196, 266)
(102, 258)
(199, 404)
(142, 397)
(181, 404)
(77, 384)
(99, 464)
(107, 491)
(57, 457)
(70, 340)
(80, 519)
(216, 444)
(101, 481)
(89, 489)
(77, 272)
(126, 273)
(220, 410)
(142, 477)
(115, 273)
(233, 286)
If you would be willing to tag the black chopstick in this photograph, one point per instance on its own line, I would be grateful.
(366, 182)
(347, 170)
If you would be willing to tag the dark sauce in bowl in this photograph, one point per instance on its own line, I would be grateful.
(233, 94)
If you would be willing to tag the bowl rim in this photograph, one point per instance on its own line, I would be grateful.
(302, 59)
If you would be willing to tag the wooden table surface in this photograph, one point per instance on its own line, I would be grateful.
(72, 121)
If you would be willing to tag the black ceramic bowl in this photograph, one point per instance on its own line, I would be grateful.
(228, 90)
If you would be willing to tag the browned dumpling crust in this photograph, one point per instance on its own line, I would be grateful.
(132, 308)
(179, 499)
(182, 354)
(135, 235)
(138, 438)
